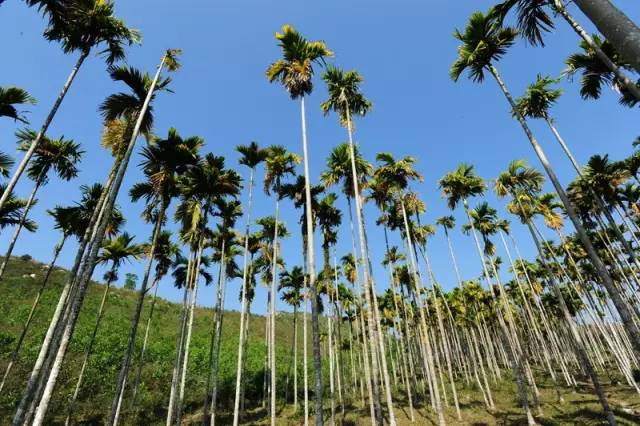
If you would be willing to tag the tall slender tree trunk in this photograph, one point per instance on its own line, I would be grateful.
(514, 356)
(23, 220)
(369, 292)
(43, 130)
(315, 321)
(89, 349)
(218, 337)
(577, 339)
(295, 358)
(601, 270)
(187, 343)
(243, 303)
(272, 313)
(145, 342)
(84, 278)
(176, 364)
(599, 201)
(621, 31)
(34, 306)
(126, 362)
(55, 325)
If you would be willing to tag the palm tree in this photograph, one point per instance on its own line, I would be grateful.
(252, 156)
(80, 26)
(533, 20)
(458, 186)
(535, 104)
(279, 163)
(88, 251)
(165, 254)
(164, 160)
(226, 246)
(346, 99)
(60, 155)
(522, 183)
(187, 274)
(201, 187)
(329, 219)
(117, 251)
(292, 283)
(12, 211)
(448, 223)
(596, 72)
(9, 98)
(484, 41)
(297, 193)
(295, 73)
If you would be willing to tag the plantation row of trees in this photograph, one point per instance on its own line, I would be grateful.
(571, 312)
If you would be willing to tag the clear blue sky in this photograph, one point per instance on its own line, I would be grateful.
(403, 50)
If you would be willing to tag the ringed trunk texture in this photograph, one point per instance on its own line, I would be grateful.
(315, 322)
(621, 31)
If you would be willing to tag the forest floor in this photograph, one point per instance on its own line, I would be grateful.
(580, 408)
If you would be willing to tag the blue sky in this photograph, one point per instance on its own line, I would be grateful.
(403, 51)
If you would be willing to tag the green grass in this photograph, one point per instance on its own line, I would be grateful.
(17, 291)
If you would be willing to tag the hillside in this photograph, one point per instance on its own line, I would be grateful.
(19, 288)
(17, 292)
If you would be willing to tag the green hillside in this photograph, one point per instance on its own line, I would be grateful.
(18, 289)
(17, 292)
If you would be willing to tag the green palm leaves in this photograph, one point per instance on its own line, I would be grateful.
(461, 184)
(295, 70)
(10, 97)
(483, 41)
(60, 155)
(345, 96)
(279, 163)
(539, 98)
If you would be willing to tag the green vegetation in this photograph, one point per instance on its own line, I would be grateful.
(16, 294)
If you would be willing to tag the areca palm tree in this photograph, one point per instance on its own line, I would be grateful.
(297, 193)
(295, 72)
(484, 42)
(79, 26)
(164, 161)
(115, 251)
(252, 156)
(166, 253)
(10, 97)
(292, 284)
(596, 73)
(60, 155)
(12, 211)
(347, 100)
(458, 186)
(201, 187)
(279, 164)
(88, 251)
(225, 244)
(523, 183)
(533, 20)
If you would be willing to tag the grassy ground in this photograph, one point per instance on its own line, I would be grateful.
(17, 290)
